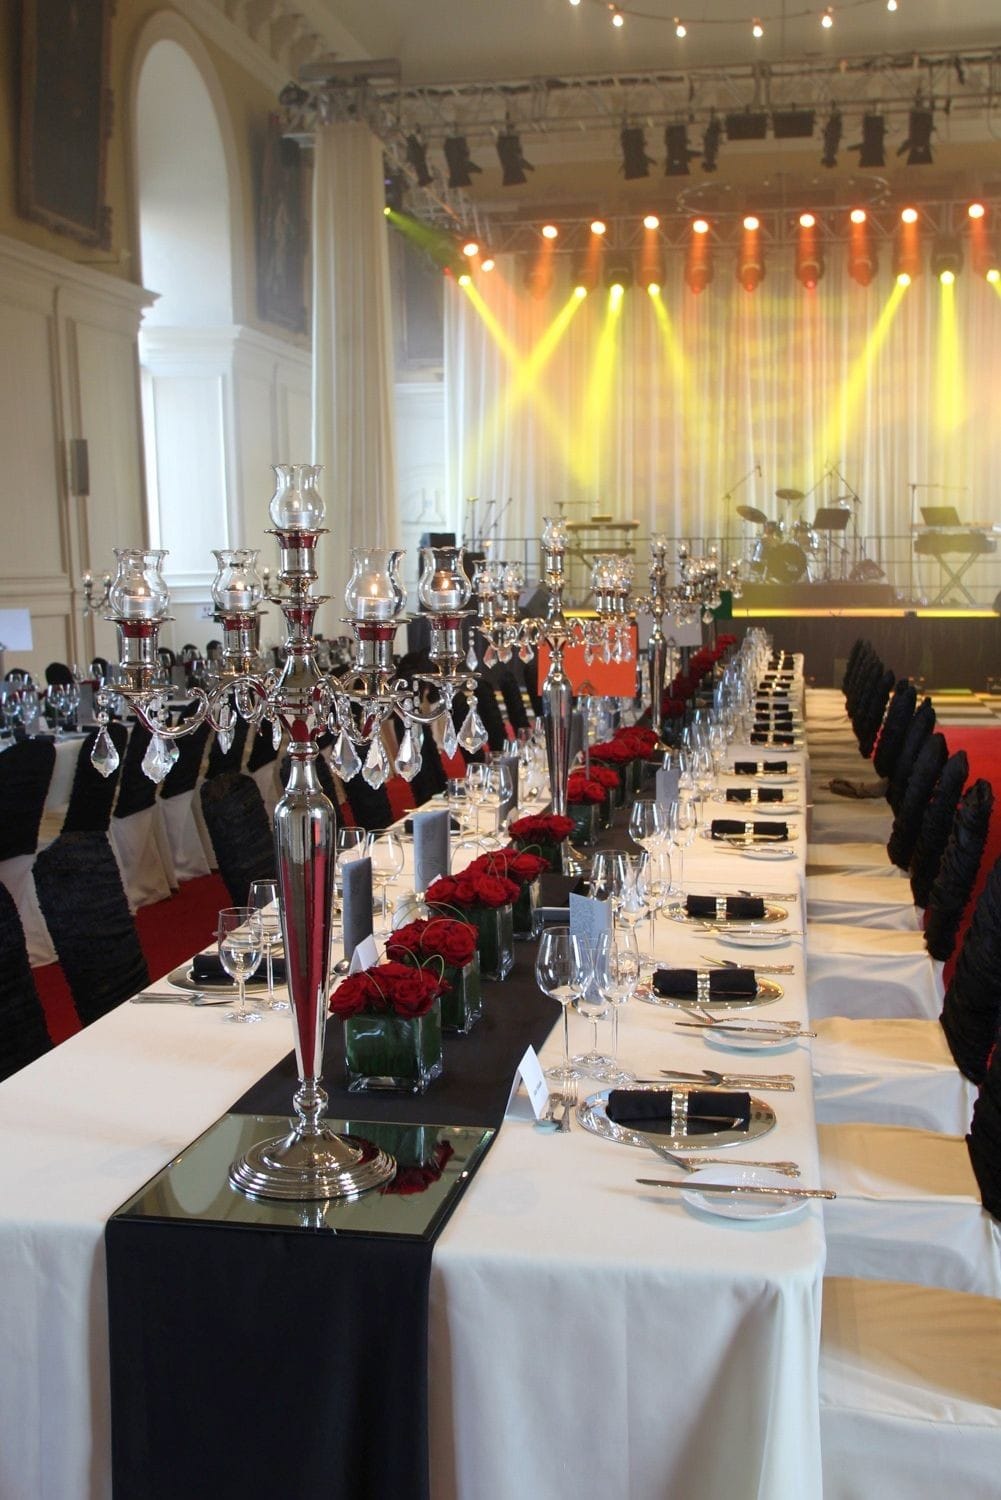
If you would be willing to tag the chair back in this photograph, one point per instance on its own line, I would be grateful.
(85, 908)
(918, 731)
(23, 1032)
(135, 790)
(183, 774)
(907, 824)
(58, 673)
(221, 760)
(898, 716)
(25, 773)
(936, 825)
(871, 713)
(957, 874)
(858, 647)
(971, 1010)
(984, 1139)
(92, 795)
(240, 830)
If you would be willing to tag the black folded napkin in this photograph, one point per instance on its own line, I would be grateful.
(760, 738)
(773, 721)
(206, 968)
(724, 984)
(642, 1107)
(765, 794)
(753, 768)
(730, 828)
(747, 907)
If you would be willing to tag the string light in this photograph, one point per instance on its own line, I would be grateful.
(757, 30)
(827, 19)
(681, 24)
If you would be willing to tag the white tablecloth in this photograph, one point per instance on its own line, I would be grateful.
(587, 1336)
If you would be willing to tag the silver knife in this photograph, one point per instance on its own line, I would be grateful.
(791, 1031)
(784, 1081)
(197, 997)
(745, 1187)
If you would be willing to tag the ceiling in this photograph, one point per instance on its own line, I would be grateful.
(571, 136)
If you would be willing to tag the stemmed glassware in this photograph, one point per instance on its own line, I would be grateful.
(647, 824)
(616, 976)
(609, 873)
(562, 971)
(476, 790)
(500, 790)
(681, 832)
(656, 878)
(634, 905)
(264, 901)
(593, 1006)
(385, 849)
(241, 945)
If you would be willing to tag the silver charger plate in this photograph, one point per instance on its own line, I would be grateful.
(772, 914)
(767, 992)
(741, 838)
(591, 1114)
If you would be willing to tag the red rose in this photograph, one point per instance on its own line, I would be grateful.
(414, 995)
(583, 792)
(354, 995)
(495, 890)
(526, 867)
(606, 777)
(454, 942)
(406, 941)
(441, 892)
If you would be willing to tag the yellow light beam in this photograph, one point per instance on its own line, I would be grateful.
(851, 391)
(672, 344)
(596, 397)
(950, 405)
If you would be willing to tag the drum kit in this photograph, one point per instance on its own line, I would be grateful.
(789, 551)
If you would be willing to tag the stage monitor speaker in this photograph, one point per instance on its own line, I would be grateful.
(437, 538)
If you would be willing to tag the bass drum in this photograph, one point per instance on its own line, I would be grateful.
(785, 563)
(805, 536)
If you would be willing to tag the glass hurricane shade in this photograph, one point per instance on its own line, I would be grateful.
(296, 504)
(375, 590)
(554, 534)
(443, 584)
(237, 586)
(138, 591)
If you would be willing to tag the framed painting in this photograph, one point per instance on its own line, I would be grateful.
(281, 232)
(65, 117)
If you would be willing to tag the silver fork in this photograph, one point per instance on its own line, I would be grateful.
(569, 1104)
(692, 1163)
(728, 963)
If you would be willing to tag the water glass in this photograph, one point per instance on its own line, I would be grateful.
(385, 849)
(264, 900)
(616, 977)
(241, 946)
(562, 971)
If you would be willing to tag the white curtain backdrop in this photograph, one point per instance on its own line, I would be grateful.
(353, 434)
(657, 418)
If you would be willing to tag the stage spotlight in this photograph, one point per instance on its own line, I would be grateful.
(587, 270)
(488, 263)
(908, 215)
(549, 232)
(394, 184)
(993, 275)
(598, 226)
(976, 211)
(757, 30)
(539, 276)
(651, 221)
(699, 259)
(827, 19)
(619, 272)
(700, 226)
(809, 267)
(750, 260)
(635, 162)
(858, 216)
(470, 248)
(711, 137)
(460, 163)
(946, 259)
(680, 29)
(920, 125)
(871, 147)
(807, 221)
(465, 279)
(513, 163)
(906, 261)
(417, 157)
(580, 292)
(832, 139)
(751, 223)
(863, 262)
(679, 153)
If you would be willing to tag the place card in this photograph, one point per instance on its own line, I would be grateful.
(589, 918)
(365, 956)
(529, 1072)
(430, 847)
(356, 880)
(667, 786)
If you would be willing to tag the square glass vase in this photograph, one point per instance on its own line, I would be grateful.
(525, 912)
(390, 1052)
(462, 1002)
(495, 925)
(585, 823)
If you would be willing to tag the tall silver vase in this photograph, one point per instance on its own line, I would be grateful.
(557, 720)
(312, 1161)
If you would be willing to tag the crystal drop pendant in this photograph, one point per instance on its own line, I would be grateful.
(472, 735)
(104, 757)
(526, 653)
(408, 761)
(156, 762)
(344, 758)
(276, 733)
(449, 739)
(376, 767)
(504, 653)
(489, 656)
(224, 734)
(472, 660)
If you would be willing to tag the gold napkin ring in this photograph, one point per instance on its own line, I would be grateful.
(748, 830)
(754, 794)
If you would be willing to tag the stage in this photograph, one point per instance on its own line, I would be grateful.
(947, 646)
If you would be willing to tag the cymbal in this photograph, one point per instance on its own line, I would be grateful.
(748, 513)
(789, 495)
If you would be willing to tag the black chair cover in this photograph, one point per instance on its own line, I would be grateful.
(262, 749)
(907, 824)
(183, 774)
(858, 646)
(895, 726)
(431, 778)
(25, 772)
(953, 887)
(864, 684)
(23, 1032)
(984, 1139)
(936, 825)
(240, 830)
(871, 714)
(514, 703)
(231, 759)
(918, 731)
(83, 902)
(136, 792)
(92, 796)
(370, 806)
(57, 672)
(972, 1007)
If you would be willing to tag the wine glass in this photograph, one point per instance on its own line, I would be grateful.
(476, 790)
(633, 908)
(385, 849)
(263, 899)
(562, 973)
(656, 879)
(681, 832)
(616, 975)
(593, 1006)
(609, 874)
(647, 824)
(499, 790)
(241, 944)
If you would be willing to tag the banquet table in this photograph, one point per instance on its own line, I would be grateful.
(586, 1335)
